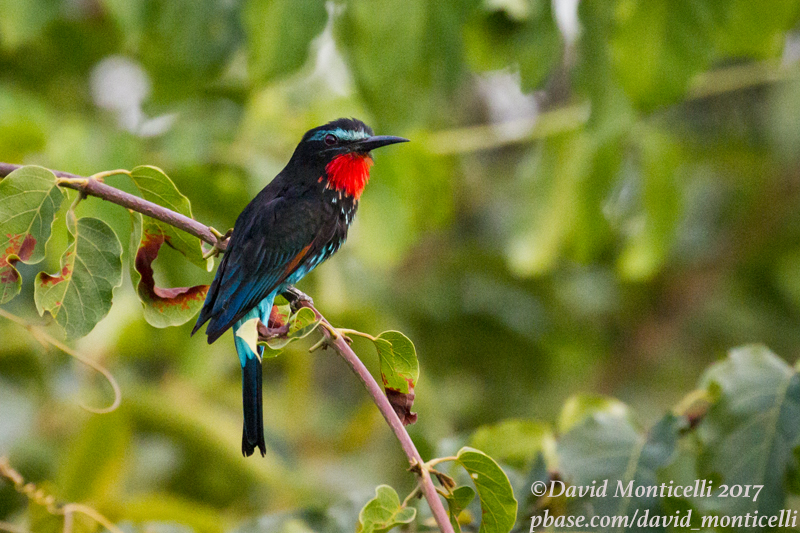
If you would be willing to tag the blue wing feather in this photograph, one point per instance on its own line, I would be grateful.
(273, 245)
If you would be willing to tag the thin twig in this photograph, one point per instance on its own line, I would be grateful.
(93, 187)
(339, 344)
(43, 337)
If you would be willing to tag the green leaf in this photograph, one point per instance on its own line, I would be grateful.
(457, 501)
(384, 512)
(156, 187)
(561, 174)
(405, 58)
(301, 324)
(521, 35)
(606, 446)
(498, 505)
(752, 430)
(248, 332)
(515, 442)
(29, 199)
(24, 21)
(658, 45)
(162, 307)
(79, 295)
(279, 34)
(210, 33)
(581, 406)
(93, 465)
(746, 29)
(398, 357)
(399, 372)
(648, 248)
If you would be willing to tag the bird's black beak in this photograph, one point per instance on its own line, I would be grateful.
(370, 143)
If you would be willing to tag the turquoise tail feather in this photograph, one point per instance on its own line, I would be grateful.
(253, 432)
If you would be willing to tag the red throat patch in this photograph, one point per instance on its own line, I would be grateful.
(349, 173)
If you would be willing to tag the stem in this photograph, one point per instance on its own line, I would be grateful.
(93, 187)
(438, 460)
(345, 331)
(411, 495)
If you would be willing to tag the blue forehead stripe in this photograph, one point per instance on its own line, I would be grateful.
(345, 135)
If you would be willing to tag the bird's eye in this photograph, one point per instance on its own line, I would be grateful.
(330, 139)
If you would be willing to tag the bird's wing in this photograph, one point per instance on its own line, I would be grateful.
(270, 242)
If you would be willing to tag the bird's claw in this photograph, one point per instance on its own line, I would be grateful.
(216, 248)
(297, 298)
(266, 333)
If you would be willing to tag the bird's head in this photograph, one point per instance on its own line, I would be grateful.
(341, 150)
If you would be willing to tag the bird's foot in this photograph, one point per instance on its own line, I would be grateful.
(266, 333)
(216, 249)
(297, 298)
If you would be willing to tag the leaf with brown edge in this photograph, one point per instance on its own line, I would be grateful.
(399, 372)
(29, 199)
(79, 295)
(156, 187)
(163, 307)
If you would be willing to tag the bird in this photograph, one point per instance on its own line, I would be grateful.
(300, 219)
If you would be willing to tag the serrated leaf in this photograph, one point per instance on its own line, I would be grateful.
(399, 372)
(515, 442)
(498, 505)
(457, 501)
(79, 295)
(29, 199)
(279, 34)
(384, 512)
(162, 307)
(606, 446)
(752, 430)
(156, 186)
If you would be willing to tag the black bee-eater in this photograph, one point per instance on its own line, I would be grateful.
(295, 223)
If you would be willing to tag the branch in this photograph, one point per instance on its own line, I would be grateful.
(93, 187)
(339, 344)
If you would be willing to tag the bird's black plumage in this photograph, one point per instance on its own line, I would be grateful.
(296, 222)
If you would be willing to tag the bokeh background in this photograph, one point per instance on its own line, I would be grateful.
(599, 197)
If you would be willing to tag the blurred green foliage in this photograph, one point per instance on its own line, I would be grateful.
(601, 211)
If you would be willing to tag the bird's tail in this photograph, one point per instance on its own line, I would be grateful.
(253, 432)
(250, 358)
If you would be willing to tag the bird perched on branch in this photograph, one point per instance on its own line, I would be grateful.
(295, 223)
